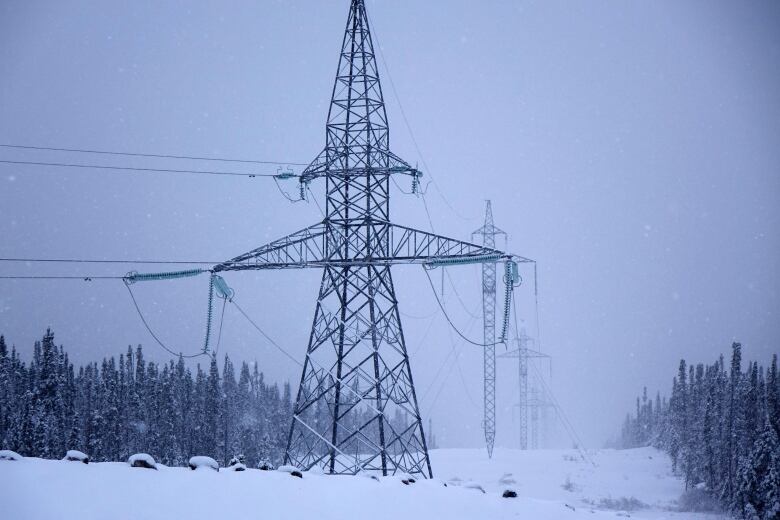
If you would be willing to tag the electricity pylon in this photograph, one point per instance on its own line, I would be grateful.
(356, 407)
(528, 407)
(489, 232)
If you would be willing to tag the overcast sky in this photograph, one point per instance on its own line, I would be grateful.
(631, 148)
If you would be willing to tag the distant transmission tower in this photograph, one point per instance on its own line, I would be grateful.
(488, 233)
(356, 407)
(528, 405)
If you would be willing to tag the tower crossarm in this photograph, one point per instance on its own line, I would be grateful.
(529, 354)
(347, 162)
(304, 248)
(414, 246)
(327, 244)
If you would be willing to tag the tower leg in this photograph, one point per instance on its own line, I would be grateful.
(356, 408)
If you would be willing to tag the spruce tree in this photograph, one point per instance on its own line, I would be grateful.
(759, 477)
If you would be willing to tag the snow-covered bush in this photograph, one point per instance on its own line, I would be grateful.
(266, 465)
(9, 455)
(698, 500)
(237, 464)
(142, 460)
(201, 461)
(568, 485)
(621, 504)
(292, 470)
(76, 456)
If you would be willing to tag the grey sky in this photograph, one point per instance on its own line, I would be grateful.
(632, 148)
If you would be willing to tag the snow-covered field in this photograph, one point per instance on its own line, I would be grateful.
(48, 489)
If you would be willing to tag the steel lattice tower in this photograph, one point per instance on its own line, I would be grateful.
(522, 374)
(528, 405)
(356, 407)
(488, 232)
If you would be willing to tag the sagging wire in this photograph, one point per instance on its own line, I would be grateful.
(416, 186)
(457, 294)
(283, 175)
(216, 285)
(151, 332)
(509, 284)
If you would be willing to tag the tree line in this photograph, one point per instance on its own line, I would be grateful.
(119, 407)
(721, 428)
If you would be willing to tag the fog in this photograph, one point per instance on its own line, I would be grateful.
(631, 148)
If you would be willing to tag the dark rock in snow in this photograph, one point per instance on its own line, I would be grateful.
(77, 456)
(142, 460)
(509, 493)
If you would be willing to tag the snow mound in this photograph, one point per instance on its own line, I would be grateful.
(177, 492)
(77, 456)
(237, 463)
(474, 485)
(142, 460)
(9, 455)
(201, 461)
(292, 470)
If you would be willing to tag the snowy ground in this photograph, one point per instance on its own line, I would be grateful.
(45, 489)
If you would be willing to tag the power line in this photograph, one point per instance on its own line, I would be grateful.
(460, 372)
(158, 156)
(151, 332)
(83, 278)
(444, 312)
(266, 336)
(133, 169)
(457, 295)
(90, 261)
(411, 133)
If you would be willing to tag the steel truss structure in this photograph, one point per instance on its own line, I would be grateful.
(531, 400)
(356, 407)
(488, 232)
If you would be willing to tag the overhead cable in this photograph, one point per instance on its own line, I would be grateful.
(154, 155)
(134, 169)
